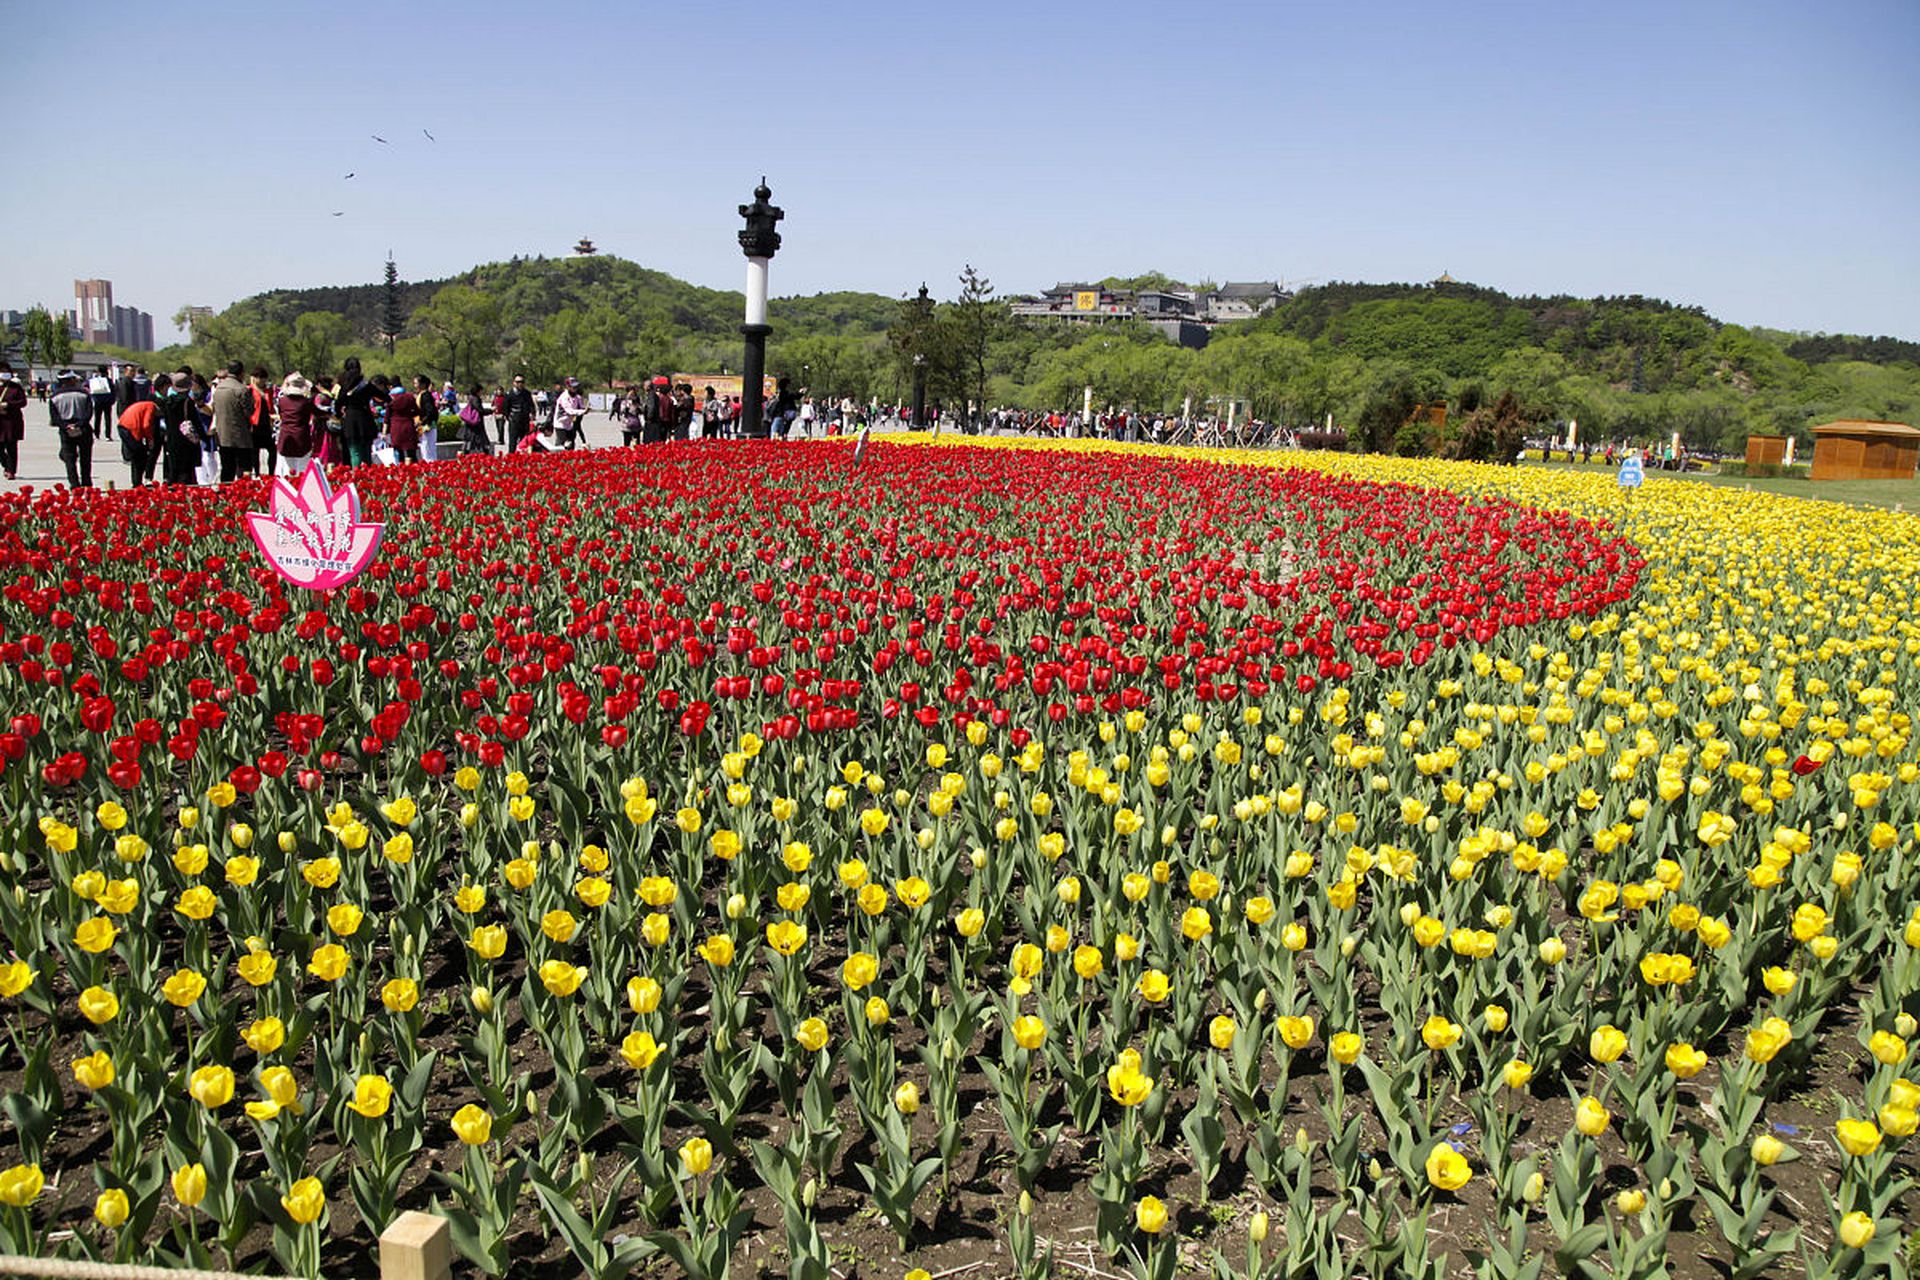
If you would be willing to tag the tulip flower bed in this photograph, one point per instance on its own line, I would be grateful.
(1117, 860)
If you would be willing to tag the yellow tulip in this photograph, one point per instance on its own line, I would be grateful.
(20, 1186)
(786, 937)
(211, 1086)
(643, 994)
(1126, 1082)
(111, 1209)
(372, 1095)
(696, 1156)
(1607, 1043)
(94, 1071)
(15, 976)
(189, 1184)
(859, 969)
(329, 963)
(265, 1035)
(560, 978)
(639, 1050)
(472, 1125)
(1685, 1061)
(1591, 1118)
(1150, 1215)
(1857, 1137)
(305, 1201)
(1447, 1169)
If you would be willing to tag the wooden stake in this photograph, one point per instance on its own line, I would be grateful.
(417, 1246)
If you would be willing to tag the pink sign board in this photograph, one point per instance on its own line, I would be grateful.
(313, 536)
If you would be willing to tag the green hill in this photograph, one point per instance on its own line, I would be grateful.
(532, 290)
(1626, 366)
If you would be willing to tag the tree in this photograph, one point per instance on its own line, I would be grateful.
(975, 318)
(653, 351)
(605, 342)
(922, 338)
(45, 339)
(392, 319)
(465, 326)
(316, 337)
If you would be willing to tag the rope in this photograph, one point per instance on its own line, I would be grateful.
(65, 1269)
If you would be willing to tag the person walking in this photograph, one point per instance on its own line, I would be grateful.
(781, 410)
(569, 411)
(499, 405)
(260, 417)
(403, 418)
(294, 445)
(659, 411)
(129, 389)
(100, 396)
(519, 407)
(327, 449)
(179, 444)
(631, 415)
(473, 424)
(354, 404)
(683, 411)
(71, 408)
(232, 404)
(431, 407)
(13, 418)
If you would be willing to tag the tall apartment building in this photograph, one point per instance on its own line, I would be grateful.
(93, 311)
(96, 320)
(133, 328)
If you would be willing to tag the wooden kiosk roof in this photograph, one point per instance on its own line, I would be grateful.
(1863, 427)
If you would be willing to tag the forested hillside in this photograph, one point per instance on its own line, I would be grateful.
(1622, 366)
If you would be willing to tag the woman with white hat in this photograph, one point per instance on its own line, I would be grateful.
(297, 425)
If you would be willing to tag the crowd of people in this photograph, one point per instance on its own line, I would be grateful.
(188, 428)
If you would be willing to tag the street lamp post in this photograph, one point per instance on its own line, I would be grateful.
(923, 312)
(759, 241)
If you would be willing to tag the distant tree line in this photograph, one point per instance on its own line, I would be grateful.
(1625, 367)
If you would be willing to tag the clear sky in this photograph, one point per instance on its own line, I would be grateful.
(1759, 159)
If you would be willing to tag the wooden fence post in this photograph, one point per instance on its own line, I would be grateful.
(416, 1246)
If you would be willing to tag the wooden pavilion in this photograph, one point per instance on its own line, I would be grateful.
(1854, 450)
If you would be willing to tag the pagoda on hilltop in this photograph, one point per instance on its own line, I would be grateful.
(585, 248)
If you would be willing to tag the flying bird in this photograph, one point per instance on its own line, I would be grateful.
(348, 176)
(377, 138)
(341, 214)
(430, 137)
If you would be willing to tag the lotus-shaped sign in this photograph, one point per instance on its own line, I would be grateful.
(313, 536)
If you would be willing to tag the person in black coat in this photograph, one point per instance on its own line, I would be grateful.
(354, 405)
(520, 409)
(660, 411)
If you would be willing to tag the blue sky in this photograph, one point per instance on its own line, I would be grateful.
(1761, 160)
